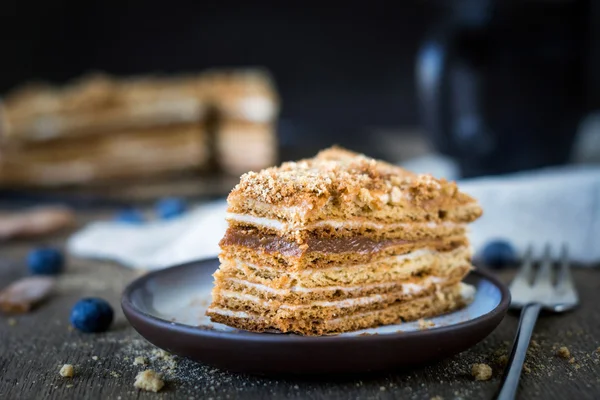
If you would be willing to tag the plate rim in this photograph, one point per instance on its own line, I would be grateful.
(130, 310)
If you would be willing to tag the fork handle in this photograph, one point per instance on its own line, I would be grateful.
(512, 373)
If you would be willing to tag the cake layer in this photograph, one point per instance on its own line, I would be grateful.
(446, 300)
(270, 243)
(243, 300)
(298, 216)
(271, 250)
(149, 152)
(99, 104)
(365, 227)
(339, 184)
(388, 269)
(301, 295)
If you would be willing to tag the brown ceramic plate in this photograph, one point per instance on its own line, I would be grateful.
(167, 308)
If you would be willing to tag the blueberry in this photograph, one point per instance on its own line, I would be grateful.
(130, 216)
(499, 253)
(45, 261)
(92, 314)
(170, 207)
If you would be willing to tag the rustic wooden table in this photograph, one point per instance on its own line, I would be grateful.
(33, 346)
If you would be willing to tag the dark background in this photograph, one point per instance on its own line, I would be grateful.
(336, 64)
(344, 69)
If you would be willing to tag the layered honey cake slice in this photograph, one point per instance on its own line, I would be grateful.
(341, 242)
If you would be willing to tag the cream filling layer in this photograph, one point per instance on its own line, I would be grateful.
(277, 225)
(230, 313)
(407, 288)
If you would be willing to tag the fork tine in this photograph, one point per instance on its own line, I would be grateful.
(525, 272)
(544, 275)
(564, 280)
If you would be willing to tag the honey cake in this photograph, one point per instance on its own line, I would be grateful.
(341, 242)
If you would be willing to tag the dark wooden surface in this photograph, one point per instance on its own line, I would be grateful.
(34, 346)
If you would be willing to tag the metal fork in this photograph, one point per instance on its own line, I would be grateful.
(533, 292)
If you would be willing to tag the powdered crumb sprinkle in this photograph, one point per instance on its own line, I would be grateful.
(140, 361)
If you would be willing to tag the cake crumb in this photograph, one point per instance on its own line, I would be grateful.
(12, 321)
(95, 358)
(437, 398)
(69, 386)
(382, 388)
(535, 344)
(481, 372)
(572, 360)
(114, 374)
(526, 368)
(160, 354)
(66, 371)
(140, 361)
(149, 380)
(503, 360)
(424, 324)
(564, 352)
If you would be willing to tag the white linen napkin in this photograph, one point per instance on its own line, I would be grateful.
(554, 206)
(157, 244)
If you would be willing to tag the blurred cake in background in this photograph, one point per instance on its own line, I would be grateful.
(100, 128)
(246, 107)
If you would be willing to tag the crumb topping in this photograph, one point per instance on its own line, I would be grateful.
(344, 175)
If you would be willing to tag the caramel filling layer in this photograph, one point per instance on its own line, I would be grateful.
(336, 245)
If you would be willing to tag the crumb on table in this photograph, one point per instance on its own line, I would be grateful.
(481, 372)
(140, 361)
(66, 371)
(149, 380)
(564, 352)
